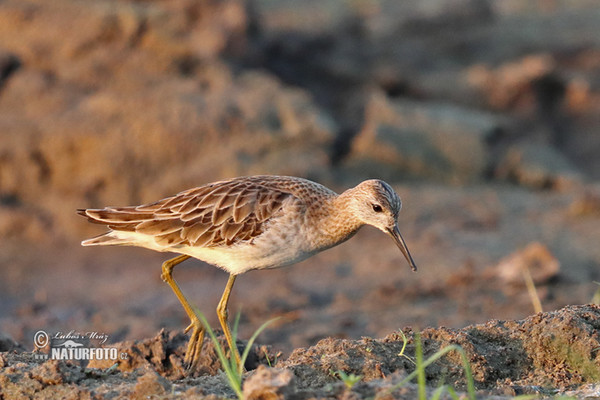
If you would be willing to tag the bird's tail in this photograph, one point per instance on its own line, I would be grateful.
(106, 239)
(118, 220)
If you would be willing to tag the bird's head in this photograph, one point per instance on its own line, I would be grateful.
(375, 203)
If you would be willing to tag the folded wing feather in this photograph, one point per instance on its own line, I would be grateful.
(217, 214)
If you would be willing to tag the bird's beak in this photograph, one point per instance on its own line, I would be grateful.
(395, 234)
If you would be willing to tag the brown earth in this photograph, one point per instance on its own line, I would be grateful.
(542, 354)
(483, 116)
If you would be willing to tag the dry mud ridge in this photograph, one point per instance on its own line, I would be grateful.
(483, 114)
(544, 354)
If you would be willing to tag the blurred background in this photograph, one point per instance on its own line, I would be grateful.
(484, 115)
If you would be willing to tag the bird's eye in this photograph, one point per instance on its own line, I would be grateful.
(377, 208)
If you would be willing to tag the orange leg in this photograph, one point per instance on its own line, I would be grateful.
(222, 313)
(194, 347)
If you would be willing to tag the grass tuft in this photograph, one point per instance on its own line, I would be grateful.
(419, 372)
(404, 343)
(233, 371)
(349, 379)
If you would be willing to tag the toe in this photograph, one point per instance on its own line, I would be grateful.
(194, 348)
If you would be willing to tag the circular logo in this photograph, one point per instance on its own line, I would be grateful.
(41, 339)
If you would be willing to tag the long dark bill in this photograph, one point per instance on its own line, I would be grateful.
(395, 234)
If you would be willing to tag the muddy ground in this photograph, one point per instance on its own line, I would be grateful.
(483, 115)
(545, 354)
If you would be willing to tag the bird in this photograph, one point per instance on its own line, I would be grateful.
(248, 223)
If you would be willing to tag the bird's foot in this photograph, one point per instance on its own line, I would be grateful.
(194, 348)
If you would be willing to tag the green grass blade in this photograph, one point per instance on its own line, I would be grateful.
(236, 324)
(420, 368)
(233, 376)
(468, 372)
(244, 355)
(404, 343)
(435, 357)
(437, 393)
(452, 393)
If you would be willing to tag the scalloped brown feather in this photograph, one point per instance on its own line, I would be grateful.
(221, 213)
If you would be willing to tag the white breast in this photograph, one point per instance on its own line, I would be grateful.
(276, 247)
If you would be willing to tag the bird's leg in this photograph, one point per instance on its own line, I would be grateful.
(194, 347)
(223, 314)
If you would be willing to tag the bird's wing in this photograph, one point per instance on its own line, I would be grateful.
(217, 214)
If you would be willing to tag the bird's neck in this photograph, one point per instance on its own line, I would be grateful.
(338, 222)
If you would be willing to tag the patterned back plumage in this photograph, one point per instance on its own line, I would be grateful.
(220, 213)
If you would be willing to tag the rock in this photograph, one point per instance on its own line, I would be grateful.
(151, 385)
(8, 344)
(403, 138)
(535, 258)
(269, 384)
(162, 354)
(587, 202)
(9, 63)
(538, 166)
(510, 84)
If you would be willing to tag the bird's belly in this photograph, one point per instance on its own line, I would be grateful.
(273, 250)
(237, 262)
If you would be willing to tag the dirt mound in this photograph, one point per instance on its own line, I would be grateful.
(545, 353)
(164, 353)
(555, 350)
